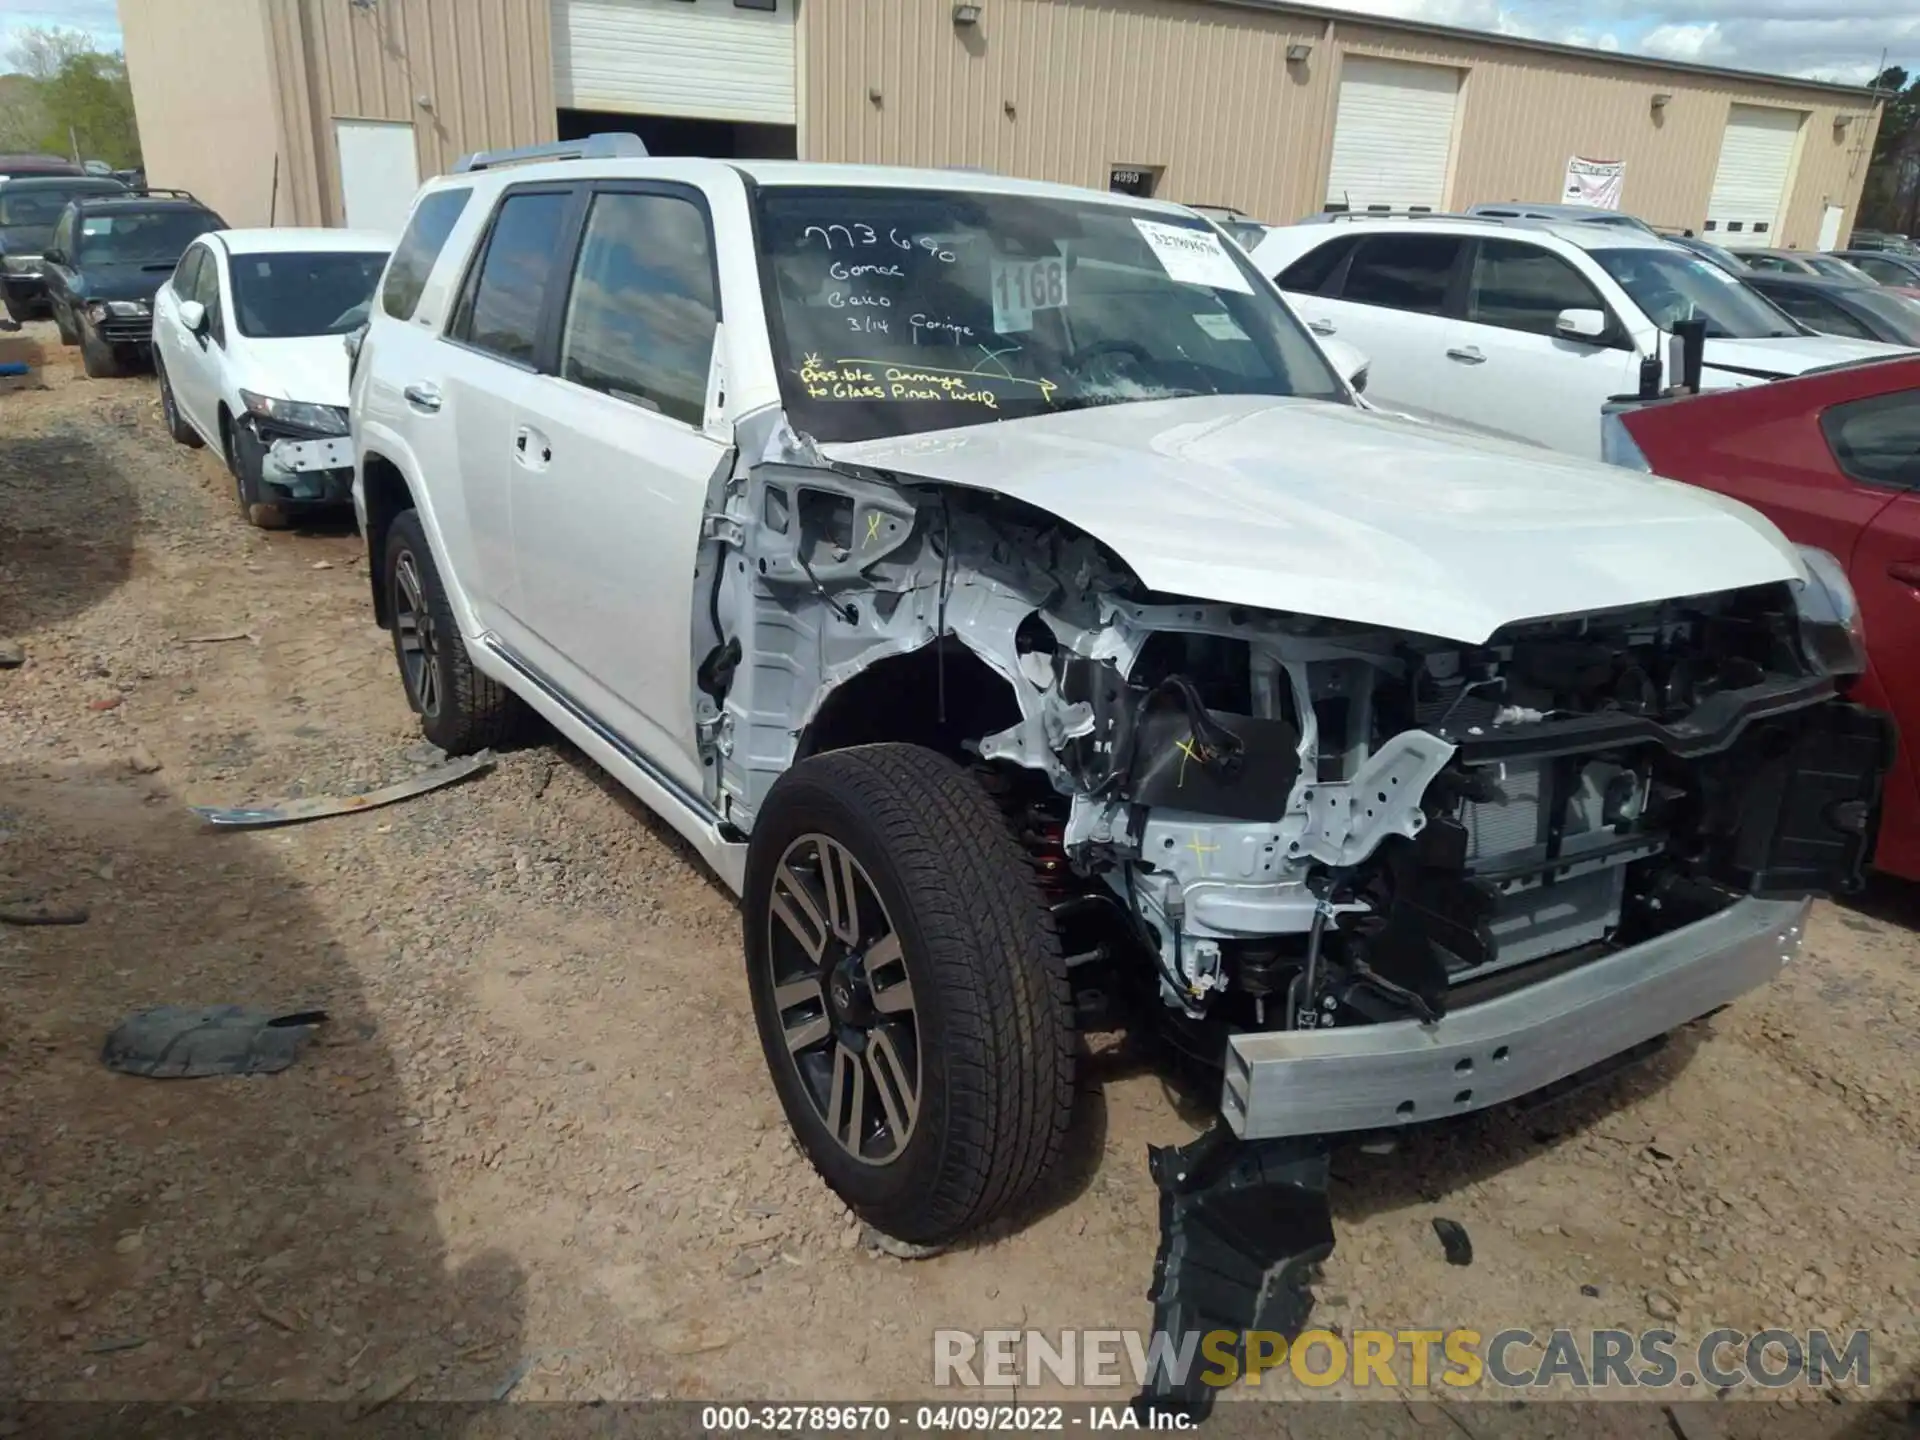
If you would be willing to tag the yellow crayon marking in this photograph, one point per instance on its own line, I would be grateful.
(1187, 752)
(1201, 851)
(873, 526)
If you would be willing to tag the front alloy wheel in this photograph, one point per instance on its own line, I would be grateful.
(845, 1001)
(908, 989)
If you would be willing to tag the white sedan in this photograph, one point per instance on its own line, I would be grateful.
(247, 338)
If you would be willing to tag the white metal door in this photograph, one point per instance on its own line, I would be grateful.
(708, 59)
(1393, 135)
(379, 172)
(1830, 219)
(1750, 186)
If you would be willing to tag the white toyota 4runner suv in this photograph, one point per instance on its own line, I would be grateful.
(1000, 589)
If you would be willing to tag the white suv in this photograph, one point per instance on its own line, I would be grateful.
(1526, 328)
(997, 586)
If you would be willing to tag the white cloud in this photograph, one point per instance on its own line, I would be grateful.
(1827, 39)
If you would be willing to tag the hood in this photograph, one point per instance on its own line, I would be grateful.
(121, 282)
(1793, 354)
(1327, 510)
(312, 368)
(24, 239)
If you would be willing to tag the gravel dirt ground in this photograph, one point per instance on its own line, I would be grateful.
(535, 1148)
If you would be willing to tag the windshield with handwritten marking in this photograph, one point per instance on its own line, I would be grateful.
(899, 311)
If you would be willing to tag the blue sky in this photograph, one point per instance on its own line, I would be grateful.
(1830, 39)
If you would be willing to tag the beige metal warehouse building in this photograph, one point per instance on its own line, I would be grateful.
(330, 111)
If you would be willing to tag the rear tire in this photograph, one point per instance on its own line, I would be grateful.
(946, 955)
(97, 357)
(460, 709)
(177, 426)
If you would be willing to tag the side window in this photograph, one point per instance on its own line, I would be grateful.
(1877, 441)
(1884, 271)
(187, 272)
(1404, 272)
(642, 312)
(1310, 273)
(1818, 311)
(1771, 264)
(1523, 287)
(206, 289)
(499, 309)
(426, 234)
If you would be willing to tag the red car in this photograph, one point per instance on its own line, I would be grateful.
(1833, 459)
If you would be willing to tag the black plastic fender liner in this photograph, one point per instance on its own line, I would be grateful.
(1242, 1224)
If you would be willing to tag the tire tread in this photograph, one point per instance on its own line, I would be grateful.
(996, 960)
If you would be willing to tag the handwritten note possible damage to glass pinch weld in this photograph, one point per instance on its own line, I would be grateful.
(878, 380)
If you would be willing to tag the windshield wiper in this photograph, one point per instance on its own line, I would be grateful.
(1091, 402)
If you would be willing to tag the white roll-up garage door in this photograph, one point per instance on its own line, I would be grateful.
(1750, 187)
(706, 59)
(1392, 136)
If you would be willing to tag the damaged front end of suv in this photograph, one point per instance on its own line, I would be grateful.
(1392, 772)
(1370, 876)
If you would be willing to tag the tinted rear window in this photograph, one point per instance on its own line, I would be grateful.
(1877, 440)
(1406, 272)
(432, 221)
(42, 204)
(500, 307)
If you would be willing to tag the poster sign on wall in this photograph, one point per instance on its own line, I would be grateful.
(1594, 182)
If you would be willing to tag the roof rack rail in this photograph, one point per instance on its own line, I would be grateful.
(608, 145)
(1334, 216)
(164, 192)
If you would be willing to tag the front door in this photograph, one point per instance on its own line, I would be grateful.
(1510, 370)
(611, 462)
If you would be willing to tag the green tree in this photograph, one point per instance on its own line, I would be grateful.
(90, 105)
(67, 93)
(41, 50)
(1891, 200)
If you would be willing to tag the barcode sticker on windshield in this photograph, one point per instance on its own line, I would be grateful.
(1193, 257)
(1021, 287)
(1220, 327)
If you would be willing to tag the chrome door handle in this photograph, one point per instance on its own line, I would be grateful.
(423, 395)
(1468, 354)
(1320, 327)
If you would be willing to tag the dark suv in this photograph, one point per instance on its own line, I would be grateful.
(107, 258)
(30, 207)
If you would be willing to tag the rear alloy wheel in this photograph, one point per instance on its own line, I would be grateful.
(908, 989)
(461, 710)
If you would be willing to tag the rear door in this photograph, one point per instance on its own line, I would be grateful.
(1390, 298)
(488, 362)
(1876, 443)
(1510, 371)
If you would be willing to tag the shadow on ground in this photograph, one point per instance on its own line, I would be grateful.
(264, 1238)
(62, 547)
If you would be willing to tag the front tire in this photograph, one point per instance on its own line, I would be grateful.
(908, 989)
(97, 357)
(246, 458)
(460, 709)
(63, 322)
(18, 311)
